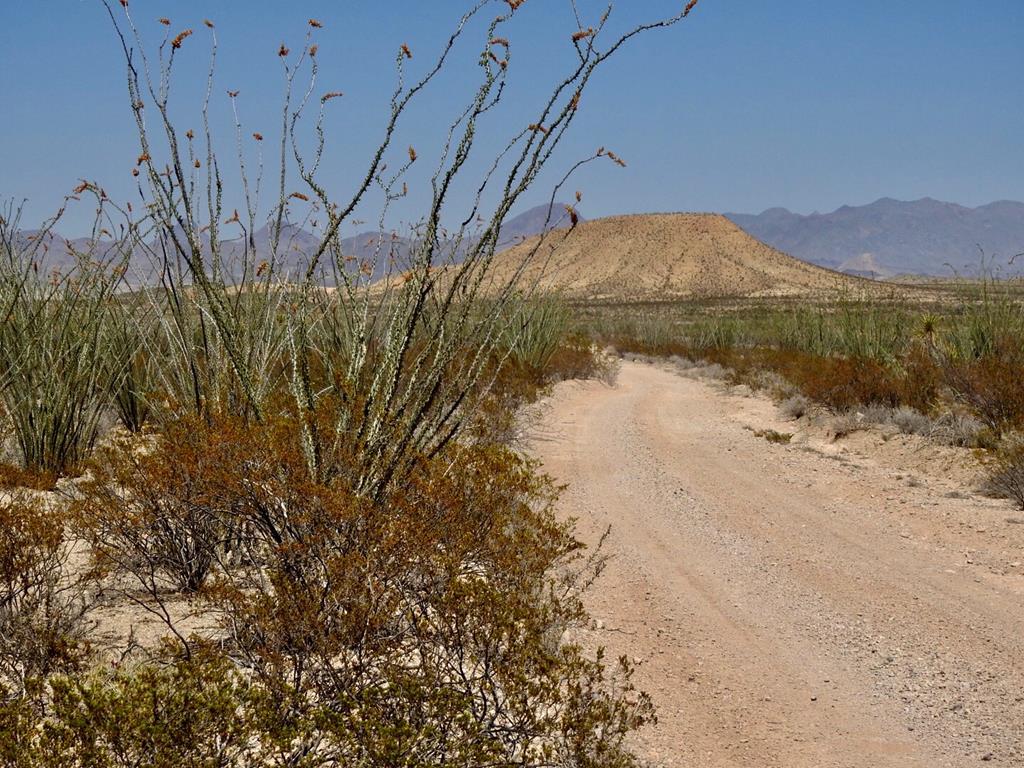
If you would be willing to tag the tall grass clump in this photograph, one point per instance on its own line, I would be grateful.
(214, 348)
(535, 332)
(53, 372)
(133, 354)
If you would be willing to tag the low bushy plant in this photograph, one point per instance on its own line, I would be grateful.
(991, 385)
(43, 607)
(195, 711)
(162, 508)
(1006, 474)
(911, 422)
(426, 627)
(795, 406)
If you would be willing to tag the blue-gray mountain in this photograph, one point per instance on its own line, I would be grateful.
(891, 237)
(295, 245)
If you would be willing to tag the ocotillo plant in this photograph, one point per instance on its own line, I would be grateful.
(399, 364)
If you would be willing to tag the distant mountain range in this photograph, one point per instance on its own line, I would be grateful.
(890, 237)
(296, 244)
(886, 238)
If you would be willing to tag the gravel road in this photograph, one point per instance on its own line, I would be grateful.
(788, 607)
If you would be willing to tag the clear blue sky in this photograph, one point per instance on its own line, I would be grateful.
(807, 104)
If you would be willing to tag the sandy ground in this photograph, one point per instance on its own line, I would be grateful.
(791, 605)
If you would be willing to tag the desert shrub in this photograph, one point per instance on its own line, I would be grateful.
(920, 378)
(52, 373)
(795, 407)
(1006, 475)
(986, 315)
(196, 711)
(130, 335)
(402, 360)
(12, 476)
(715, 335)
(911, 422)
(771, 382)
(991, 386)
(217, 351)
(430, 625)
(875, 414)
(535, 331)
(841, 383)
(711, 370)
(646, 334)
(578, 358)
(511, 385)
(43, 608)
(162, 509)
(846, 424)
(201, 710)
(682, 363)
(962, 430)
(424, 627)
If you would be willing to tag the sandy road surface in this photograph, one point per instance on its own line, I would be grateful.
(788, 608)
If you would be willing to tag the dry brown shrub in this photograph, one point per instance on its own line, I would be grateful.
(578, 358)
(424, 627)
(514, 384)
(42, 607)
(1006, 475)
(12, 476)
(161, 509)
(448, 599)
(991, 385)
(843, 383)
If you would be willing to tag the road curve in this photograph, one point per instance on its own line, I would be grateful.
(786, 608)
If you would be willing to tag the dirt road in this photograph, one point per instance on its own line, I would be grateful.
(788, 607)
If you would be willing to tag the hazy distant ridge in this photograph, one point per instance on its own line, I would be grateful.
(891, 237)
(297, 245)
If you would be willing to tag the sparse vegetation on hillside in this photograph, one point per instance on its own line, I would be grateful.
(671, 257)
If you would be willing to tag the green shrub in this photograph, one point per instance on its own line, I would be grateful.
(189, 712)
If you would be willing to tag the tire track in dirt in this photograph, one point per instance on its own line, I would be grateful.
(780, 613)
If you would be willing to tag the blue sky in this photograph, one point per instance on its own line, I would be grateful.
(747, 105)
